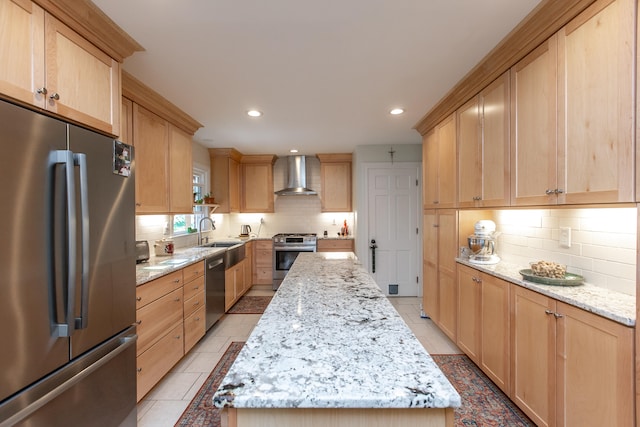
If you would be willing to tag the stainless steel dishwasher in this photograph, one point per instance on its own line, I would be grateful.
(214, 286)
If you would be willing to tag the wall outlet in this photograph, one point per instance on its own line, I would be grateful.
(565, 237)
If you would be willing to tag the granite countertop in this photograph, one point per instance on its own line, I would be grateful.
(159, 266)
(612, 305)
(331, 339)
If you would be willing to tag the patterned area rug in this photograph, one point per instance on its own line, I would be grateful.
(201, 412)
(483, 403)
(250, 305)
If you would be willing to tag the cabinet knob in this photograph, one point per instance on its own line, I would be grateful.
(41, 90)
(139, 370)
(55, 96)
(435, 202)
(197, 319)
(558, 315)
(178, 337)
(138, 322)
(196, 303)
(138, 204)
(559, 191)
(176, 281)
(138, 298)
(548, 312)
(177, 299)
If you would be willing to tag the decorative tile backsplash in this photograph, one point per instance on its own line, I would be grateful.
(603, 242)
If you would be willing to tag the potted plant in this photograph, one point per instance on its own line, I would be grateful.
(208, 199)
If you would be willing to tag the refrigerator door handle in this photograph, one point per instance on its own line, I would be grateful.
(65, 157)
(81, 161)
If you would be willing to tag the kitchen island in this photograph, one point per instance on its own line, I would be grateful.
(330, 349)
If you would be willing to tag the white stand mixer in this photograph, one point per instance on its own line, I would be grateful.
(483, 243)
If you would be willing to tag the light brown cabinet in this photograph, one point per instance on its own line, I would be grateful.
(126, 121)
(194, 304)
(565, 360)
(248, 265)
(257, 183)
(439, 151)
(225, 178)
(483, 147)
(263, 262)
(483, 323)
(180, 171)
(572, 112)
(48, 65)
(159, 316)
(335, 182)
(234, 284)
(151, 141)
(439, 268)
(335, 245)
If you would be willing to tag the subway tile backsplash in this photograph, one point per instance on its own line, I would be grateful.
(603, 242)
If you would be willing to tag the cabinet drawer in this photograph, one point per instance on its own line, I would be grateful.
(264, 275)
(194, 328)
(193, 271)
(193, 303)
(335, 245)
(194, 288)
(154, 363)
(264, 257)
(154, 289)
(155, 318)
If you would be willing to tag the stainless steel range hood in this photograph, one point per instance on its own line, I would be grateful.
(297, 178)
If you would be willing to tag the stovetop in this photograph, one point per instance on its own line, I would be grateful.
(295, 234)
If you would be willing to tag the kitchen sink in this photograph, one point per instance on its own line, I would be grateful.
(220, 244)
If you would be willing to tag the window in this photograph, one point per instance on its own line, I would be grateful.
(184, 224)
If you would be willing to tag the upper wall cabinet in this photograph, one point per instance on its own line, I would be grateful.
(575, 145)
(596, 100)
(257, 183)
(335, 177)
(439, 165)
(483, 147)
(162, 137)
(54, 68)
(225, 178)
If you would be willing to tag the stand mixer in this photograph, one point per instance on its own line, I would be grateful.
(483, 243)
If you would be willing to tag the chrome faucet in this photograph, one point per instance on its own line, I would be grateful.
(213, 227)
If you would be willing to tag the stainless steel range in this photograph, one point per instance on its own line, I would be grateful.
(286, 247)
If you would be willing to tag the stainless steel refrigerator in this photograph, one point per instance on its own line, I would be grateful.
(67, 274)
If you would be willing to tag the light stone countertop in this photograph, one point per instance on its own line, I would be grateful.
(159, 266)
(612, 305)
(331, 339)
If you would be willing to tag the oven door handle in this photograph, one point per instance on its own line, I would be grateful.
(295, 248)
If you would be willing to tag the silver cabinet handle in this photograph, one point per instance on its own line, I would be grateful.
(548, 312)
(41, 90)
(558, 315)
(55, 96)
(549, 192)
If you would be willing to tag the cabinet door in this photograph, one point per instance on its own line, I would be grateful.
(229, 288)
(85, 79)
(447, 152)
(469, 154)
(595, 360)
(447, 221)
(155, 318)
(596, 88)
(533, 127)
(22, 40)
(430, 265)
(263, 263)
(430, 170)
(533, 355)
(194, 328)
(180, 171)
(336, 186)
(234, 186)
(257, 187)
(126, 121)
(495, 343)
(494, 101)
(248, 266)
(151, 134)
(469, 315)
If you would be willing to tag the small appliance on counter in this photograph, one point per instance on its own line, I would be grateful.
(483, 243)
(163, 247)
(142, 251)
(245, 230)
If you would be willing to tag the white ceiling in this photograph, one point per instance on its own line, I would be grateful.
(325, 73)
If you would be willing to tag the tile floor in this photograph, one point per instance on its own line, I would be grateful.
(169, 398)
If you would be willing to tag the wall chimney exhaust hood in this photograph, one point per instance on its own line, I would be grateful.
(297, 178)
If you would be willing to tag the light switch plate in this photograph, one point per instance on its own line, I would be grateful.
(565, 237)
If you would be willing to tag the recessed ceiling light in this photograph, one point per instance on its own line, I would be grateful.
(396, 111)
(293, 150)
(254, 113)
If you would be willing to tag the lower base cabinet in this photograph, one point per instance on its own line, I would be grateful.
(236, 284)
(570, 367)
(335, 245)
(154, 363)
(263, 262)
(194, 328)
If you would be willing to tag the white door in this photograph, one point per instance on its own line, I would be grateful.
(393, 224)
